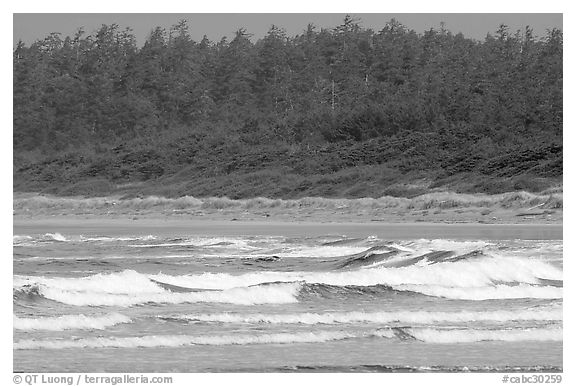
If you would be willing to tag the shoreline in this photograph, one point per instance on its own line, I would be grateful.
(95, 225)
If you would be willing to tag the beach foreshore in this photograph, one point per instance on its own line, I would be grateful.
(76, 225)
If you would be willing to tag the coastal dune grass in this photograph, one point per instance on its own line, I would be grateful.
(34, 203)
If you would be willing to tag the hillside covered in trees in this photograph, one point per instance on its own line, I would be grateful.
(341, 112)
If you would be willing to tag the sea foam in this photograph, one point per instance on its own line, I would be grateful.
(183, 340)
(480, 272)
(69, 322)
(430, 335)
(412, 317)
(426, 335)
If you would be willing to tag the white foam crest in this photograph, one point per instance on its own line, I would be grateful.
(218, 241)
(267, 294)
(476, 273)
(112, 239)
(464, 246)
(461, 280)
(18, 282)
(401, 248)
(322, 251)
(430, 335)
(413, 317)
(173, 244)
(425, 334)
(499, 291)
(70, 322)
(201, 242)
(55, 236)
(125, 282)
(19, 239)
(183, 340)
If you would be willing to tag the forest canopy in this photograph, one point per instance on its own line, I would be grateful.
(339, 112)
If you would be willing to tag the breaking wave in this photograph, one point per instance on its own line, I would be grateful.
(499, 291)
(113, 239)
(130, 288)
(58, 237)
(475, 279)
(20, 239)
(54, 236)
(426, 335)
(474, 273)
(185, 340)
(431, 335)
(412, 317)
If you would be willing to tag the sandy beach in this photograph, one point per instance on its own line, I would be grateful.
(204, 226)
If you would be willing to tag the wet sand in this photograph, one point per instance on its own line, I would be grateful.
(144, 226)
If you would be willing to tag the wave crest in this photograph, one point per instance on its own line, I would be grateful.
(70, 322)
(406, 317)
(426, 335)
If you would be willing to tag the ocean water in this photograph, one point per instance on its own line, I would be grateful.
(101, 298)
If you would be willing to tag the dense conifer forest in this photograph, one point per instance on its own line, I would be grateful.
(340, 112)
